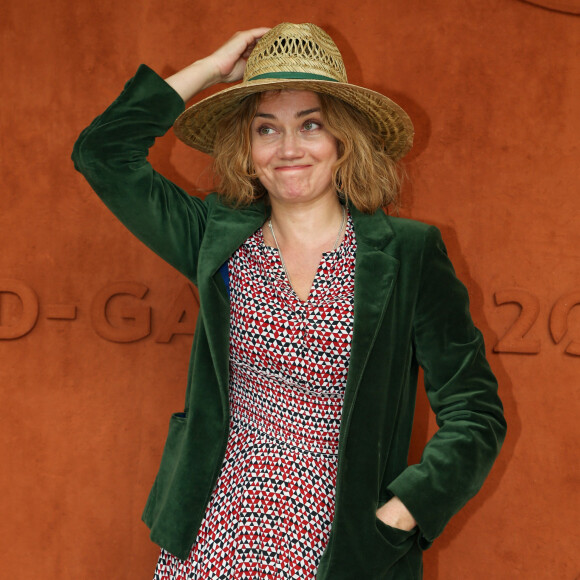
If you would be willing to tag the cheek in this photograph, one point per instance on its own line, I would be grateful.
(330, 152)
(258, 158)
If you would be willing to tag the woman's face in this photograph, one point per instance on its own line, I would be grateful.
(292, 151)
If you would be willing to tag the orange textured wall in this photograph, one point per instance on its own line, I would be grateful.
(95, 330)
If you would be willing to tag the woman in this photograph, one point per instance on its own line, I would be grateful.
(290, 459)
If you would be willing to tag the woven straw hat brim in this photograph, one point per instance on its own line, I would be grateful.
(196, 126)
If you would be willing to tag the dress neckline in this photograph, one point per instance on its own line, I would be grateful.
(328, 257)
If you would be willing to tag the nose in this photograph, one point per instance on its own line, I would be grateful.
(290, 147)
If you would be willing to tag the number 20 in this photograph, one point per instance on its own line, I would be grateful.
(515, 339)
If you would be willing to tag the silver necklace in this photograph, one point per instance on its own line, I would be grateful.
(280, 251)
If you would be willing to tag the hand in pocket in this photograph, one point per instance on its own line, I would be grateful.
(396, 515)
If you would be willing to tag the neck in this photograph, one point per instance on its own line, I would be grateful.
(306, 225)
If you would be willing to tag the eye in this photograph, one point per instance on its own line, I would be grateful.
(265, 130)
(311, 125)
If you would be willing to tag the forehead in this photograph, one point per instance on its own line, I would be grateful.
(272, 101)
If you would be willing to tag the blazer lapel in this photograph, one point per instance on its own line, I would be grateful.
(226, 230)
(376, 272)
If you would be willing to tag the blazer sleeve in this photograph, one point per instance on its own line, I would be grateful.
(463, 394)
(112, 155)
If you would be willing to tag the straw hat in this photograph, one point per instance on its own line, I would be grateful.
(298, 57)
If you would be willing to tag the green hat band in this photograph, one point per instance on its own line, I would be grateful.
(293, 75)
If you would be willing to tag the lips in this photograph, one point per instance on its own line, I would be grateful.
(292, 167)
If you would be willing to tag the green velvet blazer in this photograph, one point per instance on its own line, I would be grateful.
(410, 310)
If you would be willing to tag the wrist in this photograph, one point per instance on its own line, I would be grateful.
(209, 71)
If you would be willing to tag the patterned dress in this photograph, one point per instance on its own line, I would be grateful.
(270, 513)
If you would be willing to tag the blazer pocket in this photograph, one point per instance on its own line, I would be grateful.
(166, 471)
(394, 536)
(391, 547)
(171, 450)
(175, 436)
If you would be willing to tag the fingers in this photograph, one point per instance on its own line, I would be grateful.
(230, 58)
(248, 50)
(243, 42)
(253, 35)
(226, 64)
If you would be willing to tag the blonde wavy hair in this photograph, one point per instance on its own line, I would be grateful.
(364, 174)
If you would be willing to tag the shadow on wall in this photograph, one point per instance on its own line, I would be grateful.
(421, 432)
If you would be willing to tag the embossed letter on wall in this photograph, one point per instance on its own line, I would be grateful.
(118, 312)
(22, 308)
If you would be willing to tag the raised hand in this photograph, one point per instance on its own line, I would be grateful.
(230, 59)
(225, 65)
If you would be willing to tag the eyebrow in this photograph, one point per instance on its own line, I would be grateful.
(298, 115)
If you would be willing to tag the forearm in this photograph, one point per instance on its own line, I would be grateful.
(194, 78)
